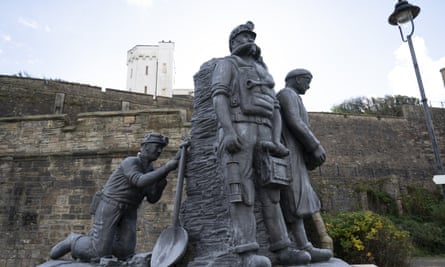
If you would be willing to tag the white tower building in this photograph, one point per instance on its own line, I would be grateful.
(150, 69)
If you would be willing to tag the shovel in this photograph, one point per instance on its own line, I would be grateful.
(172, 243)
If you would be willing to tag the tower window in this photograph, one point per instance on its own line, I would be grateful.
(145, 89)
(146, 70)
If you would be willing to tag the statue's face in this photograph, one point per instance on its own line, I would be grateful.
(151, 151)
(302, 84)
(243, 38)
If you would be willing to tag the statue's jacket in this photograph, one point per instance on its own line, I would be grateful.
(249, 88)
(121, 186)
(299, 199)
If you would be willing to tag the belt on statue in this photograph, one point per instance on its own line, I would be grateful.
(240, 117)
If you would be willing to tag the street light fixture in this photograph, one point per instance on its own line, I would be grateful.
(403, 17)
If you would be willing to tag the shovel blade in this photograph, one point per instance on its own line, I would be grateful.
(170, 247)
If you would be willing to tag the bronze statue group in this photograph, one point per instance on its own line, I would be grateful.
(265, 149)
(258, 128)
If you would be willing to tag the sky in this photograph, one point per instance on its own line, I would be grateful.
(348, 45)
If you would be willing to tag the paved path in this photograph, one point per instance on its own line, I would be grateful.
(428, 262)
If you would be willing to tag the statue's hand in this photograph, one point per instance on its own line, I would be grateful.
(276, 149)
(280, 150)
(319, 154)
(232, 143)
(316, 158)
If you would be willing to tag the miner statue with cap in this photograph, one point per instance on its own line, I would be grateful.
(115, 206)
(299, 200)
(249, 129)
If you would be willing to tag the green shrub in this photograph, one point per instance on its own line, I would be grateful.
(438, 213)
(419, 202)
(424, 217)
(365, 237)
(428, 237)
(381, 202)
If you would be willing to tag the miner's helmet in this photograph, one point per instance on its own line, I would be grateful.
(247, 27)
(298, 72)
(155, 138)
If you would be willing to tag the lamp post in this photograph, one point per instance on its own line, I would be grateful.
(442, 71)
(403, 17)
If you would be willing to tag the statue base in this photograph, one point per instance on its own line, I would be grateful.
(333, 262)
(143, 260)
(138, 260)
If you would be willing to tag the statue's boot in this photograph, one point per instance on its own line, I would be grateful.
(318, 254)
(63, 247)
(253, 260)
(290, 256)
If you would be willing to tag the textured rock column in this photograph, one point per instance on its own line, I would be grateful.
(205, 212)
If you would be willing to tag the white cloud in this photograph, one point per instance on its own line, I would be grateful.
(6, 38)
(29, 23)
(141, 3)
(402, 78)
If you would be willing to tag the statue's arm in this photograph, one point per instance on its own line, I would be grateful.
(289, 103)
(277, 124)
(221, 82)
(140, 179)
(278, 149)
(222, 110)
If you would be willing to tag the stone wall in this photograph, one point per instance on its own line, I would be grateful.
(50, 170)
(388, 152)
(29, 96)
(52, 164)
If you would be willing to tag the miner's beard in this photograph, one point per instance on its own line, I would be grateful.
(247, 49)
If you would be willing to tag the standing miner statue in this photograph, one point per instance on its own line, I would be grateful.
(249, 148)
(299, 200)
(115, 206)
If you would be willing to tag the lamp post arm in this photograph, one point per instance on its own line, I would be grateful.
(408, 35)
